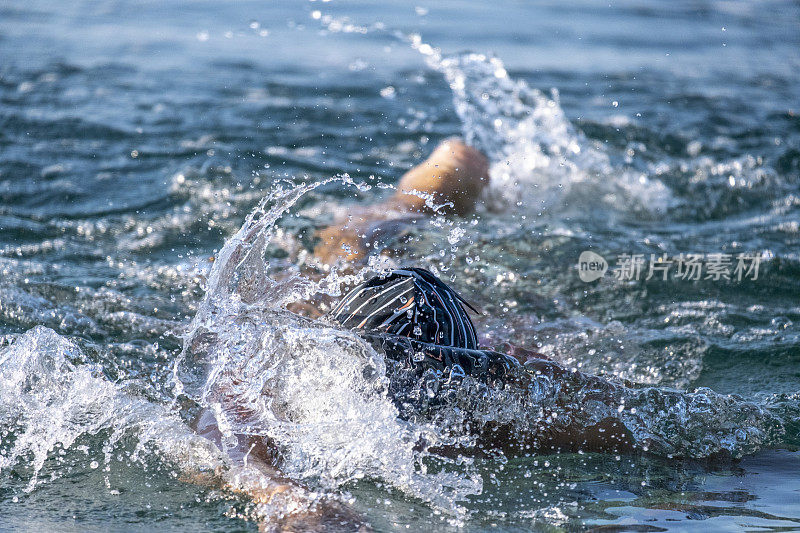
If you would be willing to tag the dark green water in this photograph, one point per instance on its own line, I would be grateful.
(135, 139)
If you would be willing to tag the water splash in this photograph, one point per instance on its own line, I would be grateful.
(537, 156)
(52, 397)
(318, 393)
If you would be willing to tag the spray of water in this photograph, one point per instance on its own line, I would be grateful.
(318, 393)
(537, 156)
(52, 397)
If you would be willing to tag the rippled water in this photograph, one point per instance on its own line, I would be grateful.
(137, 139)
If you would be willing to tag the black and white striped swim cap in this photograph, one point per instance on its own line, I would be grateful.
(411, 302)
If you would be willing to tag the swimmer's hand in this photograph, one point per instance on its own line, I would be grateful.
(282, 504)
(288, 506)
(326, 516)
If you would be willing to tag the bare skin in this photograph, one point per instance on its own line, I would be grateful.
(297, 508)
(452, 177)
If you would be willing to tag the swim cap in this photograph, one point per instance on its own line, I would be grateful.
(410, 302)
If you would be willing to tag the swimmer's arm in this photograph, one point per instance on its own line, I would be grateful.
(523, 370)
(525, 373)
(287, 505)
(577, 389)
(246, 453)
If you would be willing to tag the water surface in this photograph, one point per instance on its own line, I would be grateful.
(136, 138)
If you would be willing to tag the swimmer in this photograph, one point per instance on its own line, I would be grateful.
(420, 323)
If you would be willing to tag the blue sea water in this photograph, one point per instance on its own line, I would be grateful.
(135, 137)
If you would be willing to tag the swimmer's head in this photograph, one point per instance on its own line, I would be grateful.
(410, 302)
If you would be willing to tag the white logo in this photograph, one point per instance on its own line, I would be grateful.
(591, 266)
